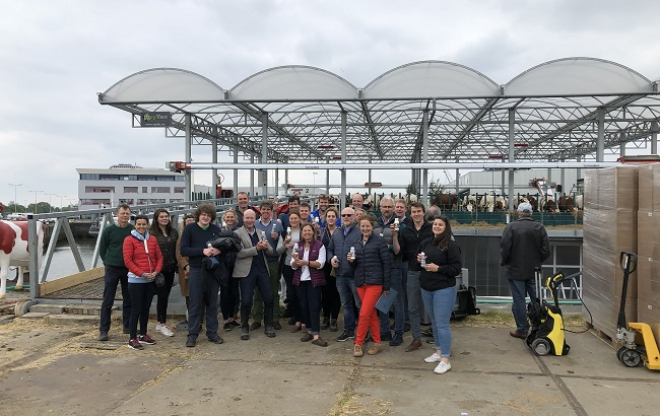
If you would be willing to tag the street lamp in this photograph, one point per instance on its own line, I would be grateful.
(62, 203)
(15, 199)
(36, 207)
(50, 202)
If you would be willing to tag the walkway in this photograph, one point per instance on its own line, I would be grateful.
(45, 368)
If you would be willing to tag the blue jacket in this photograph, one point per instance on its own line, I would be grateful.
(340, 245)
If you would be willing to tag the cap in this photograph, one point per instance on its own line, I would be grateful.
(525, 207)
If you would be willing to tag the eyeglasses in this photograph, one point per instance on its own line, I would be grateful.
(346, 215)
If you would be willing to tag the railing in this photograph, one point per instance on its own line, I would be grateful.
(62, 224)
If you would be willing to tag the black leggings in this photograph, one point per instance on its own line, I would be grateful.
(141, 297)
(330, 296)
(291, 294)
(228, 298)
(164, 296)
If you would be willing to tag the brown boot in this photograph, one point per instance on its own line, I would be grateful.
(415, 345)
(357, 351)
(375, 349)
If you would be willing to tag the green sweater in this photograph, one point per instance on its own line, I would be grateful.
(112, 244)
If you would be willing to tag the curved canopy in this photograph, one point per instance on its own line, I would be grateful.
(289, 83)
(578, 76)
(163, 85)
(430, 79)
(557, 110)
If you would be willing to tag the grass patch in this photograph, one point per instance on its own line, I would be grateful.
(501, 319)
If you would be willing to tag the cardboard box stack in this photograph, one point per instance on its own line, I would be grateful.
(610, 227)
(648, 246)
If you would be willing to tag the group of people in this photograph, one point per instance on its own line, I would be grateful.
(329, 261)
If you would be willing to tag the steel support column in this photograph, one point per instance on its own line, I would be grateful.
(235, 170)
(263, 174)
(425, 157)
(342, 196)
(512, 155)
(214, 157)
(188, 150)
(600, 140)
(654, 137)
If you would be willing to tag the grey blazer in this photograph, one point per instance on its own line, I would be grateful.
(248, 252)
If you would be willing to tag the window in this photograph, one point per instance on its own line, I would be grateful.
(146, 177)
(179, 190)
(145, 190)
(99, 189)
(130, 189)
(89, 177)
(160, 189)
(109, 177)
(165, 178)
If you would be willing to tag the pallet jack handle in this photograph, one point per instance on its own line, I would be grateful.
(628, 263)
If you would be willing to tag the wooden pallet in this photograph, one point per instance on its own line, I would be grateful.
(603, 336)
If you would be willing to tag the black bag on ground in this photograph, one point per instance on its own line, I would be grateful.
(466, 302)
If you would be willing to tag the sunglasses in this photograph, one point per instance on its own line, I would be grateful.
(346, 215)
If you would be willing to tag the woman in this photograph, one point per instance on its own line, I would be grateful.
(308, 278)
(438, 282)
(292, 238)
(229, 295)
(183, 264)
(144, 261)
(229, 220)
(167, 237)
(329, 296)
(372, 278)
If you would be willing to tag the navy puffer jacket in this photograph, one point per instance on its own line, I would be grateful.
(372, 265)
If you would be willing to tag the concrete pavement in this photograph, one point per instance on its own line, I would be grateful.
(47, 368)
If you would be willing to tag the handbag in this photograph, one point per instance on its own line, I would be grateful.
(160, 280)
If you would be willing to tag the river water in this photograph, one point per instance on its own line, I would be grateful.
(63, 263)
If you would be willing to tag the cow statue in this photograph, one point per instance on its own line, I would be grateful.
(14, 250)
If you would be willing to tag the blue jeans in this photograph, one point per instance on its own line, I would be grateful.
(414, 304)
(206, 293)
(439, 304)
(248, 284)
(398, 305)
(519, 288)
(349, 297)
(404, 286)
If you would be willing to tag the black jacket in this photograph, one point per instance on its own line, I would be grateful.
(524, 246)
(372, 264)
(449, 261)
(409, 239)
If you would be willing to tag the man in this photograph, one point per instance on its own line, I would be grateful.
(112, 254)
(340, 244)
(294, 203)
(407, 242)
(324, 203)
(357, 201)
(243, 204)
(523, 248)
(385, 226)
(305, 212)
(273, 232)
(203, 292)
(252, 268)
(400, 211)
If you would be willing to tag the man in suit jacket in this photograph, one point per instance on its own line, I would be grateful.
(252, 268)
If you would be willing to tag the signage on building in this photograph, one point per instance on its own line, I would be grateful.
(156, 119)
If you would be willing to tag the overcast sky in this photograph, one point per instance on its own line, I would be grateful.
(56, 55)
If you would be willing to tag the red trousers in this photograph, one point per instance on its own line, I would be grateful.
(369, 295)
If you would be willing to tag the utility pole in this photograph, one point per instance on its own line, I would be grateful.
(36, 207)
(15, 199)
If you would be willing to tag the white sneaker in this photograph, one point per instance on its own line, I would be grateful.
(164, 329)
(433, 358)
(442, 368)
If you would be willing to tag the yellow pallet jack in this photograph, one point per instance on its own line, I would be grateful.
(638, 342)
